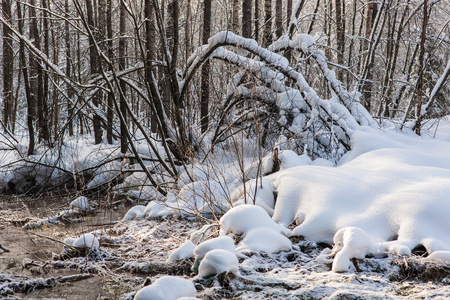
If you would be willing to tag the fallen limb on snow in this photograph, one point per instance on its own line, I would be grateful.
(3, 248)
(39, 283)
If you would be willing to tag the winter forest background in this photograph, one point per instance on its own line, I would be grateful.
(129, 70)
(330, 117)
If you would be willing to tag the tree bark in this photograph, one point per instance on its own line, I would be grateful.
(340, 37)
(68, 68)
(150, 34)
(247, 18)
(256, 37)
(23, 65)
(235, 16)
(110, 53)
(8, 66)
(268, 23)
(122, 61)
(204, 113)
(94, 69)
(421, 68)
(279, 18)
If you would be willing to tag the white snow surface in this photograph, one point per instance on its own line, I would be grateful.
(184, 251)
(87, 240)
(134, 212)
(167, 288)
(222, 242)
(218, 261)
(264, 240)
(243, 218)
(390, 184)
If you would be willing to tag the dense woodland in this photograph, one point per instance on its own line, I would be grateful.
(185, 76)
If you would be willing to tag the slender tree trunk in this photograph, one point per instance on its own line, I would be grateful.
(247, 18)
(68, 68)
(372, 10)
(204, 113)
(256, 37)
(23, 65)
(423, 36)
(150, 34)
(122, 61)
(110, 53)
(340, 37)
(8, 66)
(44, 119)
(94, 64)
(279, 18)
(268, 23)
(235, 16)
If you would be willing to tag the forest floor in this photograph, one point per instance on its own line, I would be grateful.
(131, 251)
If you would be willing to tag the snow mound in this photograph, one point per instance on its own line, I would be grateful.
(391, 186)
(259, 192)
(264, 240)
(167, 288)
(222, 242)
(351, 242)
(184, 251)
(218, 261)
(80, 203)
(243, 218)
(158, 209)
(134, 212)
(439, 256)
(86, 241)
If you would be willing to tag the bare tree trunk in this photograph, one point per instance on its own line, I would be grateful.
(44, 119)
(8, 66)
(23, 65)
(110, 53)
(268, 23)
(421, 68)
(247, 18)
(256, 37)
(94, 64)
(340, 37)
(150, 34)
(279, 18)
(235, 16)
(204, 113)
(372, 10)
(123, 105)
(68, 68)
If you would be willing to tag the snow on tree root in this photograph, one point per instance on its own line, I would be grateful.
(167, 288)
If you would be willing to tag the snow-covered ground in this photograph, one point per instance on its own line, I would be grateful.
(345, 231)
